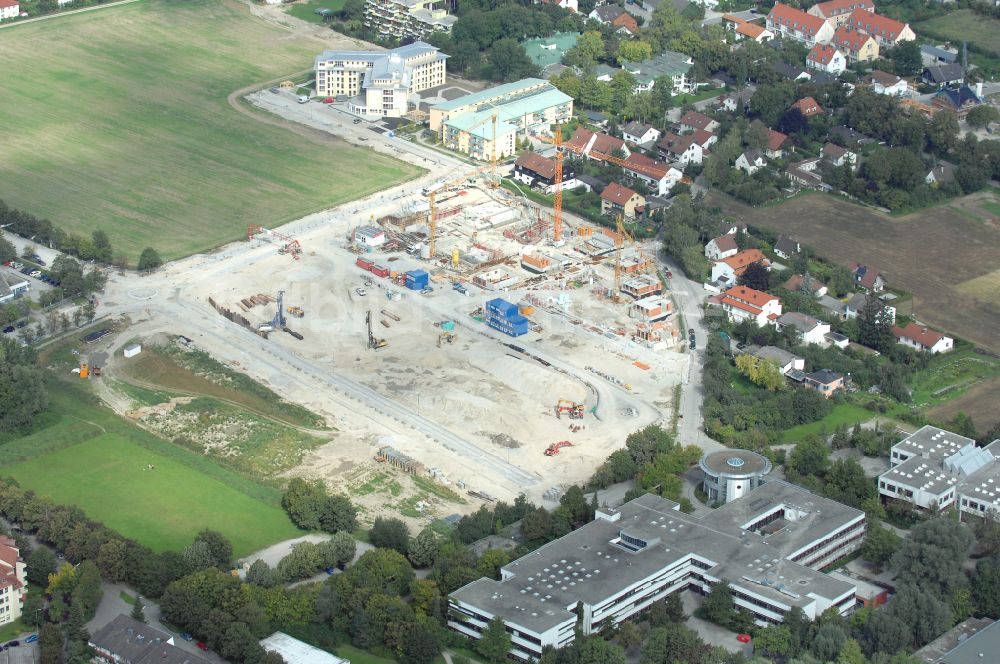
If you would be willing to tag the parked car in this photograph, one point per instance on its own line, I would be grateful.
(16, 265)
(361, 292)
(38, 259)
(328, 100)
(187, 637)
(12, 644)
(428, 289)
(202, 645)
(8, 329)
(740, 346)
(357, 120)
(26, 270)
(275, 90)
(31, 638)
(35, 273)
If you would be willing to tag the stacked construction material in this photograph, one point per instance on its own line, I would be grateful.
(503, 315)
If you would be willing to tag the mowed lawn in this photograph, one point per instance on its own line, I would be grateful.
(109, 478)
(964, 24)
(118, 119)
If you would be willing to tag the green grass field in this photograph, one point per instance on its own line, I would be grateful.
(306, 11)
(108, 478)
(964, 24)
(846, 414)
(83, 454)
(120, 120)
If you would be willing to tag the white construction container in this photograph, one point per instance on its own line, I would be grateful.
(133, 350)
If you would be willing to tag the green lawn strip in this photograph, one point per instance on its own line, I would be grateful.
(307, 11)
(951, 375)
(964, 25)
(846, 414)
(13, 629)
(109, 477)
(123, 123)
(357, 656)
(991, 207)
(125, 597)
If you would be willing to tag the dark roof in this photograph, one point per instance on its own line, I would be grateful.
(782, 68)
(824, 376)
(594, 116)
(536, 163)
(848, 135)
(608, 13)
(960, 97)
(787, 245)
(138, 643)
(833, 151)
(943, 172)
(725, 242)
(944, 73)
(592, 182)
(636, 128)
(753, 155)
(938, 53)
(822, 77)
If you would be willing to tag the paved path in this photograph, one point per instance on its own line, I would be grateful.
(61, 14)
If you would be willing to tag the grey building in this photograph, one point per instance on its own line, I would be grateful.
(128, 641)
(770, 546)
(732, 474)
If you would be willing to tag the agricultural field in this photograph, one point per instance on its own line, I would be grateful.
(147, 489)
(964, 24)
(944, 255)
(122, 120)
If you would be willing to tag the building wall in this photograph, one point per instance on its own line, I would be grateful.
(10, 12)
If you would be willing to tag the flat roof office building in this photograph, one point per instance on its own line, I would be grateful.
(769, 546)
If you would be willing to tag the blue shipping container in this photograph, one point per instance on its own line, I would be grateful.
(505, 326)
(416, 279)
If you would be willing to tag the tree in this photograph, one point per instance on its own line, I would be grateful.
(982, 116)
(8, 251)
(634, 51)
(389, 533)
(932, 557)
(137, 612)
(764, 373)
(880, 544)
(22, 389)
(942, 132)
(671, 643)
(589, 47)
(50, 641)
(102, 246)
(841, 280)
(644, 445)
(595, 650)
(219, 548)
(423, 549)
(875, 325)
(40, 563)
(495, 642)
(261, 574)
(420, 643)
(198, 556)
(381, 570)
(811, 456)
(303, 561)
(509, 62)
(906, 58)
(718, 606)
(986, 588)
(829, 639)
(149, 260)
(756, 276)
(922, 611)
(773, 640)
(344, 548)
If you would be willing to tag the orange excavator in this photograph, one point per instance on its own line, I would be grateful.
(554, 448)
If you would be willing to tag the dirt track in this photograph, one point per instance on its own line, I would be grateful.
(929, 253)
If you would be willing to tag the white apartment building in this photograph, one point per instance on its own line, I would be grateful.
(770, 546)
(13, 586)
(380, 84)
(401, 19)
(934, 468)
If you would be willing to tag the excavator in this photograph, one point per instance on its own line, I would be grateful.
(448, 337)
(575, 410)
(554, 448)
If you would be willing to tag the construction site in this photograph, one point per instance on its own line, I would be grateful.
(457, 332)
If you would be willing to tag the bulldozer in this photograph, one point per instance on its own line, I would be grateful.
(448, 337)
(575, 410)
(554, 448)
(298, 312)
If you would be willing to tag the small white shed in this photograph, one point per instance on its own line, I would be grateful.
(133, 350)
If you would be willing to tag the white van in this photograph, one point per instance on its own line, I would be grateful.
(303, 99)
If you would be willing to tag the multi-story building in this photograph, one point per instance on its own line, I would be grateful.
(741, 303)
(125, 640)
(856, 45)
(790, 23)
(886, 31)
(934, 468)
(617, 199)
(380, 83)
(414, 19)
(488, 123)
(13, 586)
(770, 546)
(836, 12)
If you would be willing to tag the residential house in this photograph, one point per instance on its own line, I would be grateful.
(836, 12)
(786, 247)
(794, 283)
(826, 58)
(626, 24)
(741, 303)
(789, 23)
(605, 14)
(808, 107)
(669, 64)
(658, 176)
(721, 247)
(944, 75)
(937, 55)
(775, 148)
(811, 330)
(539, 172)
(959, 101)
(920, 337)
(571, 5)
(9, 9)
(590, 183)
(785, 70)
(125, 640)
(803, 173)
(784, 360)
(824, 381)
(839, 156)
(731, 228)
(597, 146)
(596, 118)
(858, 302)
(705, 139)
(693, 120)
(838, 340)
(616, 199)
(941, 173)
(743, 29)
(884, 83)
(737, 101)
(548, 52)
(728, 270)
(886, 31)
(849, 137)
(750, 161)
(867, 278)
(834, 306)
(683, 149)
(13, 585)
(856, 45)
(638, 133)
